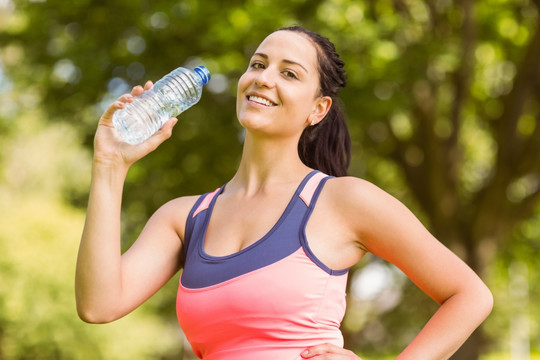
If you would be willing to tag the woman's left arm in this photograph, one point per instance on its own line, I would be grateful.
(386, 228)
(389, 230)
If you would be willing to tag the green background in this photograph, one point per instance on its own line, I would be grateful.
(443, 103)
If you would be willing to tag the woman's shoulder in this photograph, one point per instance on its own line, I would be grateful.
(177, 209)
(175, 212)
(181, 203)
(353, 189)
(356, 197)
(371, 211)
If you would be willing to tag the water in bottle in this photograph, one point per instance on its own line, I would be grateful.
(171, 95)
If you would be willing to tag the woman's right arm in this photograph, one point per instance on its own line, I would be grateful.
(109, 285)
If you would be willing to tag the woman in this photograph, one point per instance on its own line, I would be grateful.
(267, 254)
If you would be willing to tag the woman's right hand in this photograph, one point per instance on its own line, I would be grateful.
(111, 150)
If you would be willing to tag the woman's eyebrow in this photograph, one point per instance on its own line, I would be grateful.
(263, 55)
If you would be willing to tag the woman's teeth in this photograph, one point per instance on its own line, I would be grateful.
(260, 100)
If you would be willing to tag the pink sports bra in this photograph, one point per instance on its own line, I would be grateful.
(268, 301)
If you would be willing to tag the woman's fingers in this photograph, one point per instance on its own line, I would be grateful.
(138, 90)
(127, 98)
(160, 136)
(109, 146)
(106, 118)
(329, 352)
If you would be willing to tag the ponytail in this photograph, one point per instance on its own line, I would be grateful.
(326, 146)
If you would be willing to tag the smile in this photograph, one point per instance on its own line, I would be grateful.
(260, 100)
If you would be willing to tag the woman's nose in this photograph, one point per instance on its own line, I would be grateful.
(265, 79)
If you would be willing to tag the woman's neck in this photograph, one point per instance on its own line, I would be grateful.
(265, 162)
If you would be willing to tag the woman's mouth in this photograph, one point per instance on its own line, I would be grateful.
(260, 100)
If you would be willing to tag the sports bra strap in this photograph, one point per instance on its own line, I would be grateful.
(205, 203)
(306, 194)
(309, 189)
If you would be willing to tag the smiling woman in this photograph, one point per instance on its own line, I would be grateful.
(268, 280)
(323, 145)
(278, 74)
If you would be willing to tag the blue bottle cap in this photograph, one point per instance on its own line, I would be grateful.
(203, 73)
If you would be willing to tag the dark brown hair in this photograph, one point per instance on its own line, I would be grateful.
(326, 146)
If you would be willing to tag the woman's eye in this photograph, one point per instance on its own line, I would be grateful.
(290, 74)
(257, 65)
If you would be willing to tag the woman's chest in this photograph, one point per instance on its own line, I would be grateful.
(235, 225)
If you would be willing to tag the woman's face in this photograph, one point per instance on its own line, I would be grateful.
(279, 92)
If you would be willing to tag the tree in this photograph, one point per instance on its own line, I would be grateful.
(461, 84)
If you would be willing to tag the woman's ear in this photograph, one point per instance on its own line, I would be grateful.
(320, 109)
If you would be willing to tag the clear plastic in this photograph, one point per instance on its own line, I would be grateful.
(170, 96)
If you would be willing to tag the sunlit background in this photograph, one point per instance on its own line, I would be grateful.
(443, 103)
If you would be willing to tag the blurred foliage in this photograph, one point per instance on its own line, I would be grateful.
(443, 104)
(37, 305)
(38, 246)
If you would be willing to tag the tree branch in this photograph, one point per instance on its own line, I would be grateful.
(433, 16)
(401, 7)
(463, 74)
(531, 147)
(511, 162)
(525, 208)
(526, 78)
(420, 175)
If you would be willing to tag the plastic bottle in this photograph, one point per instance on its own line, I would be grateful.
(170, 96)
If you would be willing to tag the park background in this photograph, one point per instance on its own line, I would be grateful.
(443, 103)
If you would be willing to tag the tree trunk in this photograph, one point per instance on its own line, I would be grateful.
(473, 347)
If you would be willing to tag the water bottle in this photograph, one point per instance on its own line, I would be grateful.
(170, 96)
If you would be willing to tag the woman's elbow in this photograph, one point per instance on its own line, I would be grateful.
(94, 316)
(485, 300)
